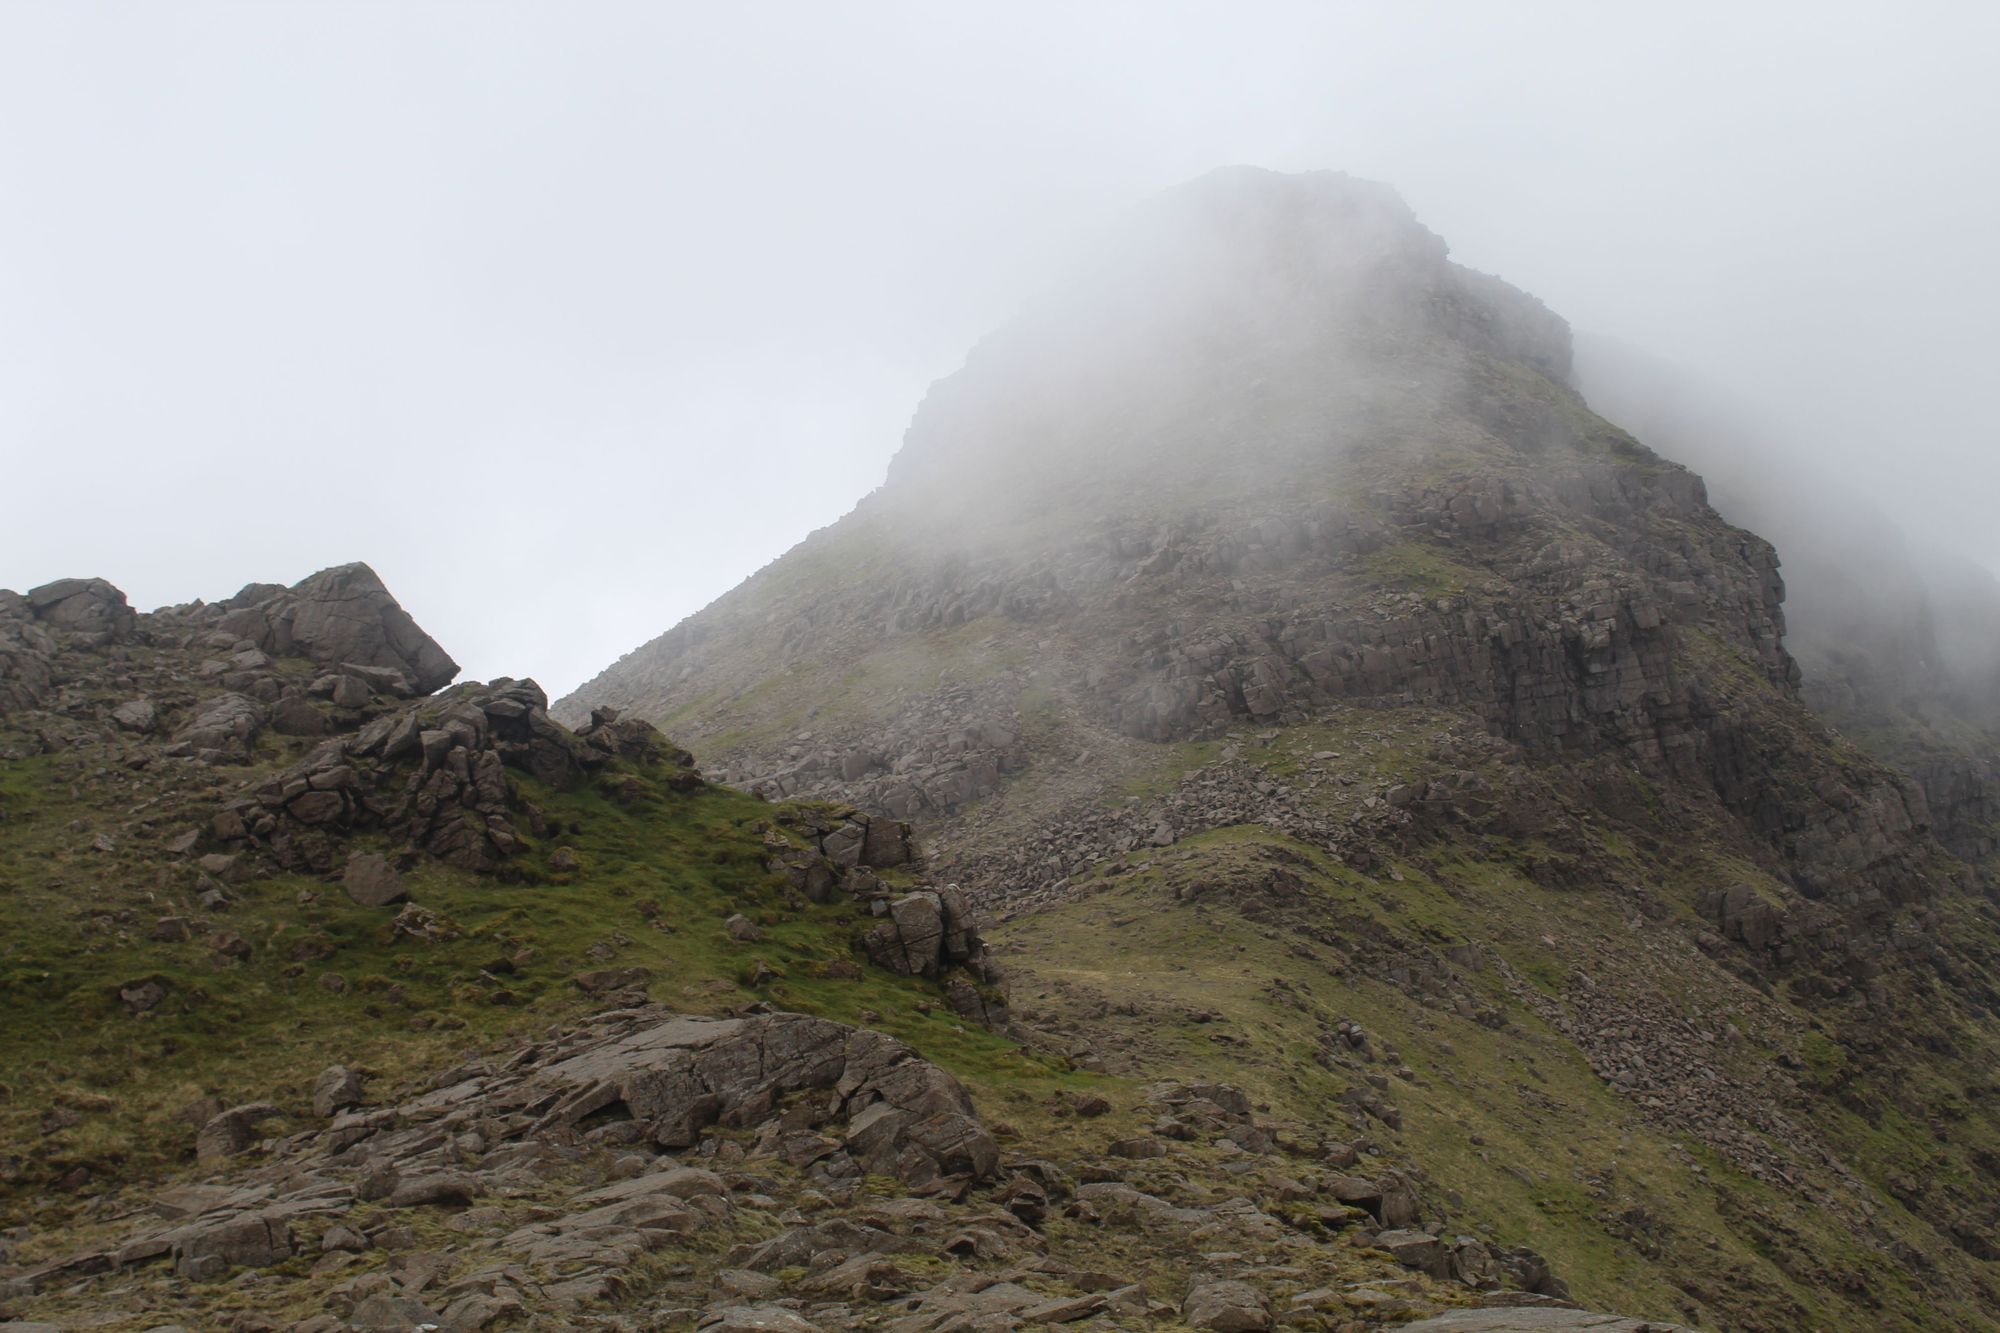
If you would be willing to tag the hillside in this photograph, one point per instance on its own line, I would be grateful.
(342, 997)
(1899, 641)
(1265, 630)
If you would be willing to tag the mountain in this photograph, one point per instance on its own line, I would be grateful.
(342, 997)
(1899, 641)
(1266, 631)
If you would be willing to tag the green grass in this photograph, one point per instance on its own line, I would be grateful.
(1419, 567)
(655, 883)
(1511, 1119)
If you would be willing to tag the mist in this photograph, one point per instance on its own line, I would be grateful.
(567, 319)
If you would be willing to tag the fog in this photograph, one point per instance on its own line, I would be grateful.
(567, 318)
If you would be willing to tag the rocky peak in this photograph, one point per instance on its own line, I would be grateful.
(1239, 285)
(343, 619)
(343, 614)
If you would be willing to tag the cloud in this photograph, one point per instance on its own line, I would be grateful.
(566, 319)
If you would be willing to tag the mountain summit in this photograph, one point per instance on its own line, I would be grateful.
(1270, 570)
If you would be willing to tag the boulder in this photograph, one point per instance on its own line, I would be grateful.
(231, 1131)
(1226, 1307)
(336, 1089)
(924, 933)
(294, 715)
(344, 617)
(225, 723)
(83, 606)
(138, 715)
(210, 1248)
(371, 881)
(1414, 1249)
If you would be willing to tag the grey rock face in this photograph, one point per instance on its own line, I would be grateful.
(907, 1118)
(85, 606)
(924, 934)
(345, 615)
(433, 774)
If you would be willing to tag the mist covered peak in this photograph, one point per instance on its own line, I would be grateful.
(1274, 307)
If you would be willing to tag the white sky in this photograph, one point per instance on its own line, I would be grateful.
(569, 316)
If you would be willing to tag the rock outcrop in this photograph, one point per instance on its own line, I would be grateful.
(340, 616)
(849, 1102)
(433, 774)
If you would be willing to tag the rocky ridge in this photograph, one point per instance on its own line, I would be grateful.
(561, 1171)
(760, 1168)
(1321, 543)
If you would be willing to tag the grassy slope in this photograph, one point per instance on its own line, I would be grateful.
(1188, 962)
(656, 880)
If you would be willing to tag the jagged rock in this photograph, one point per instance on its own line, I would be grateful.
(336, 1089)
(433, 774)
(344, 615)
(907, 1118)
(83, 606)
(421, 923)
(924, 934)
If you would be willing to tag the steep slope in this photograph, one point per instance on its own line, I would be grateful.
(1900, 642)
(334, 1003)
(1271, 572)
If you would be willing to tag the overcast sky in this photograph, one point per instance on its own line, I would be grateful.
(568, 316)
